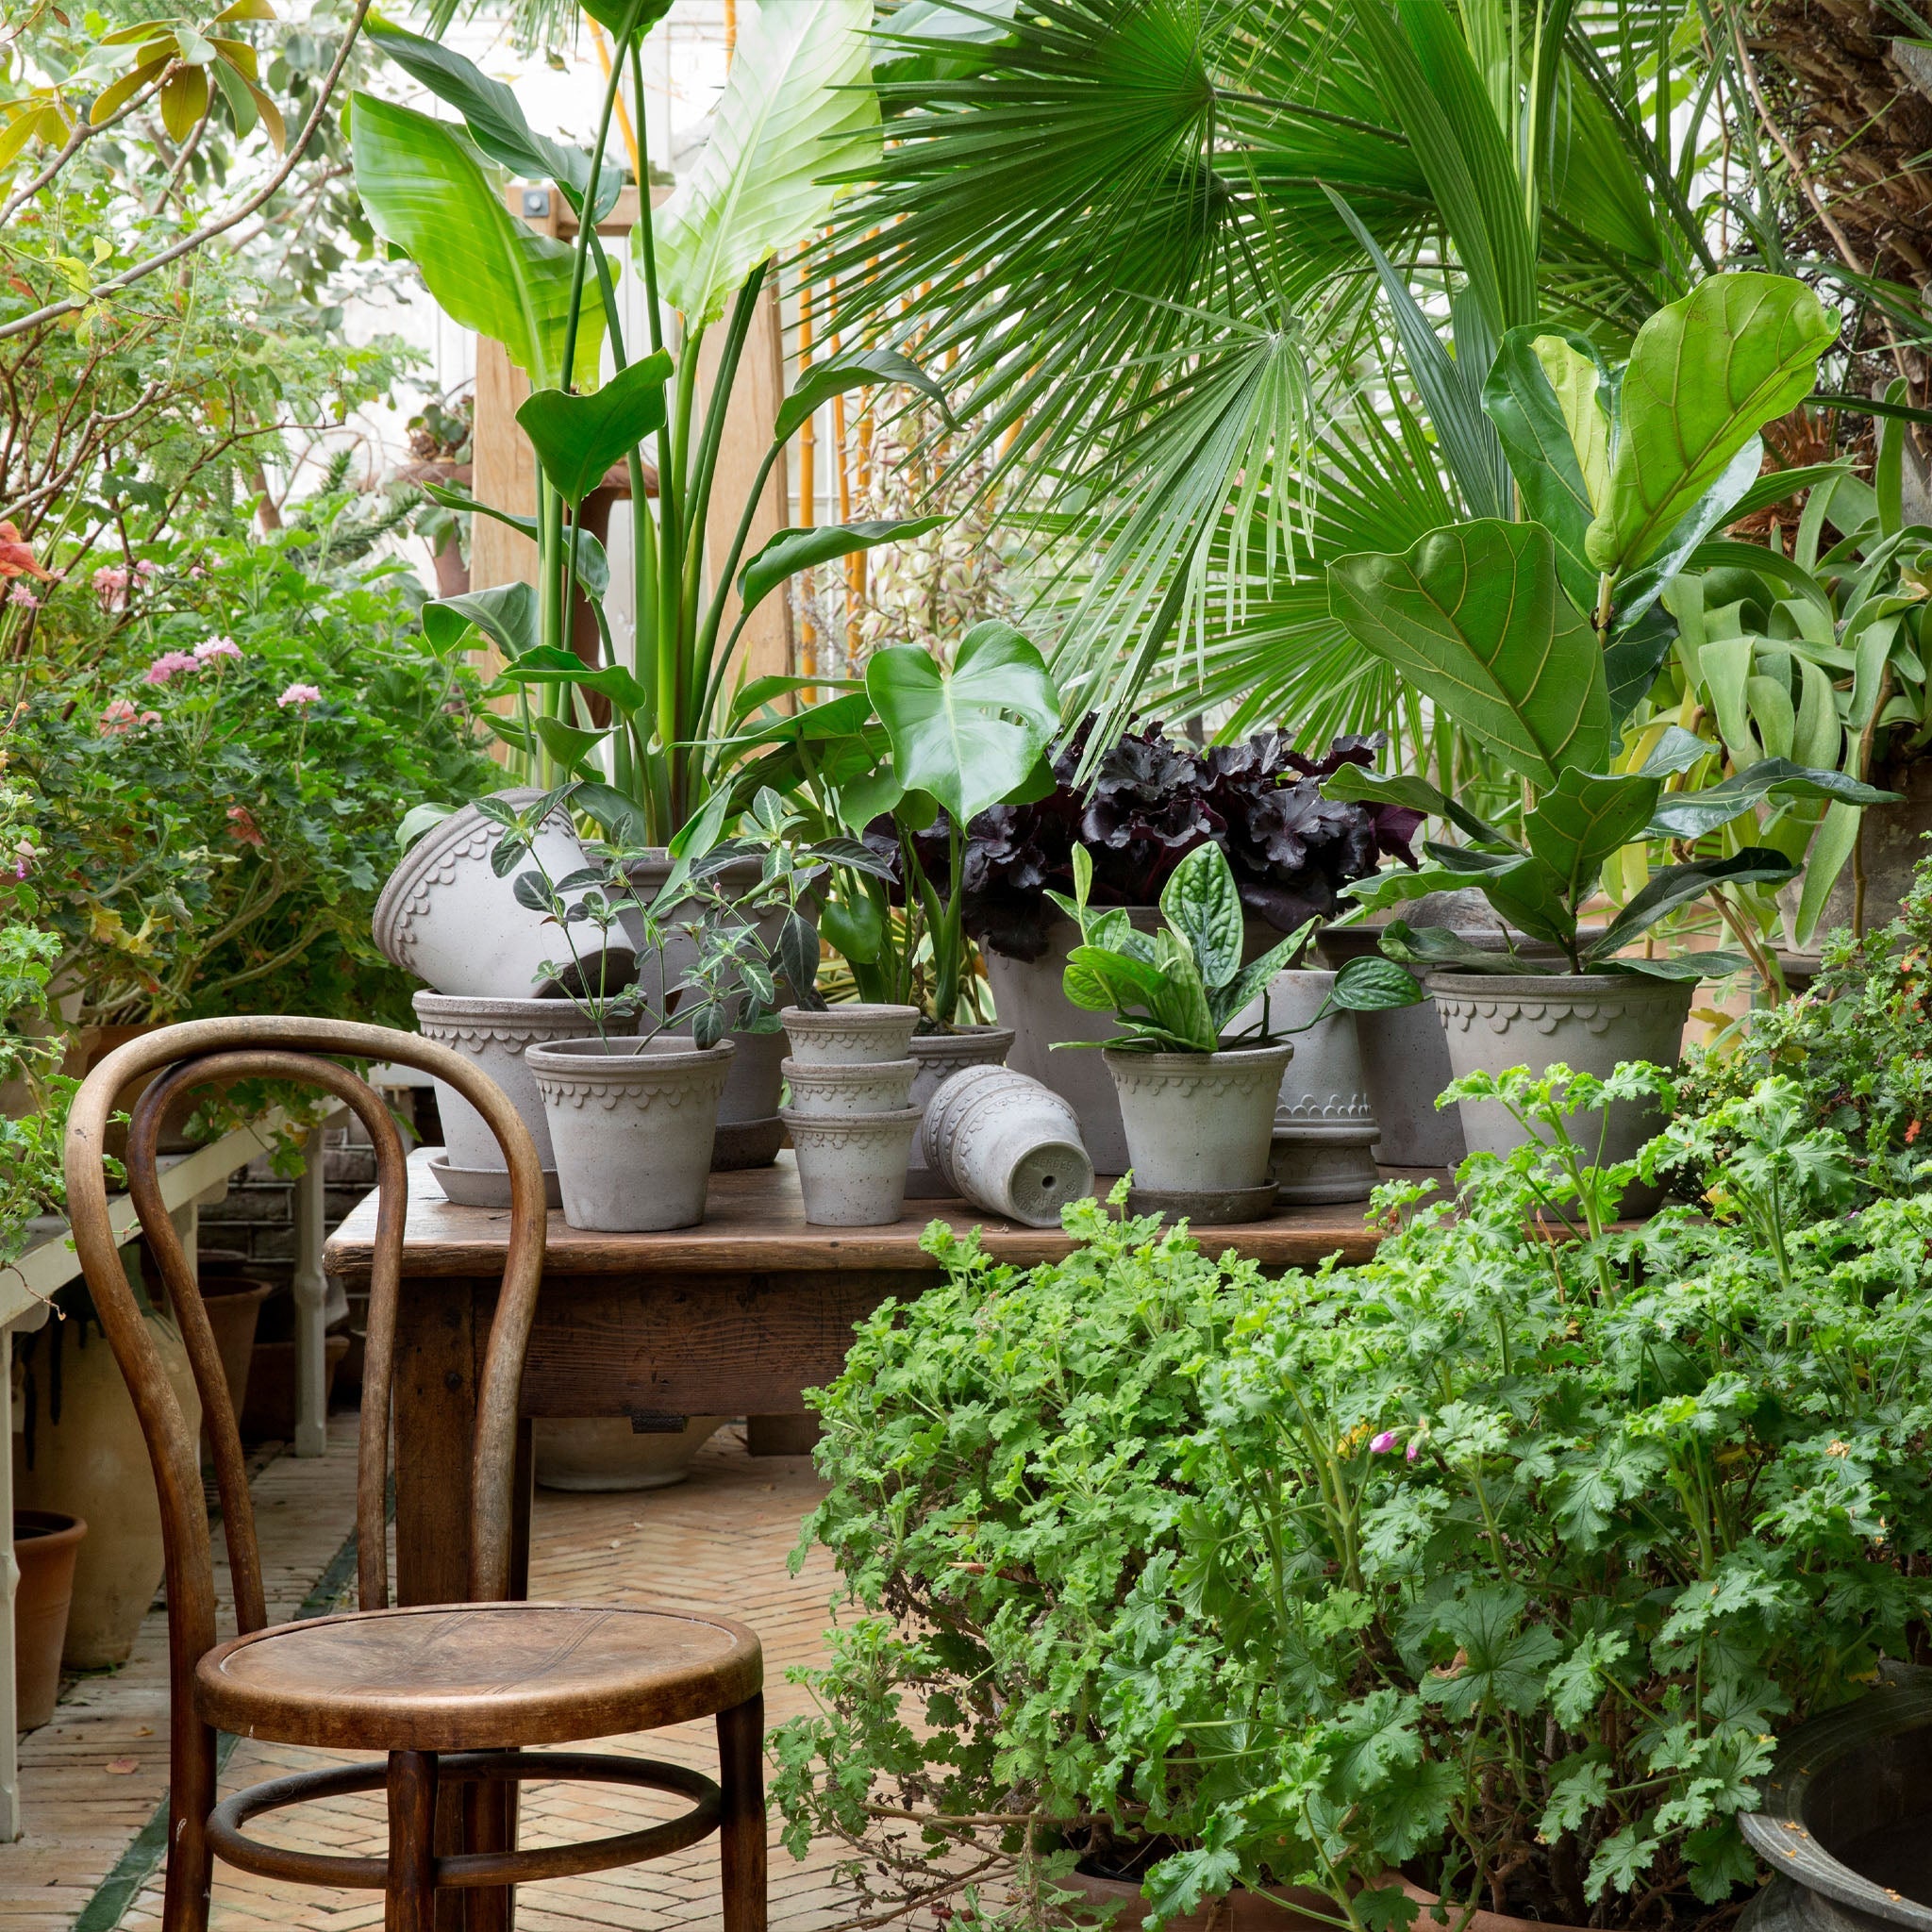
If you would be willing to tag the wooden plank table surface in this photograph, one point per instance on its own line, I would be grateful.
(737, 1316)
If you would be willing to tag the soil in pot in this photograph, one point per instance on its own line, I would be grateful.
(47, 1546)
(605, 1453)
(634, 1125)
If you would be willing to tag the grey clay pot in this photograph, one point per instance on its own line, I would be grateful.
(850, 1034)
(1199, 1122)
(939, 1056)
(1324, 1127)
(852, 1167)
(633, 1129)
(1003, 1142)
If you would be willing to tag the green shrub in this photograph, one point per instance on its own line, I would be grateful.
(1498, 1562)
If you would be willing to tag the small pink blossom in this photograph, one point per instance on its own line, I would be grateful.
(242, 825)
(195, 572)
(110, 587)
(27, 600)
(1380, 1445)
(212, 648)
(167, 664)
(121, 717)
(145, 569)
(1415, 1449)
(300, 694)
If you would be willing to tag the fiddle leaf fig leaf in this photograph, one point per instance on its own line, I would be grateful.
(1705, 374)
(1582, 819)
(1474, 616)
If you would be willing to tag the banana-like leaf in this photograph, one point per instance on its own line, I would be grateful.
(968, 737)
(798, 109)
(1476, 618)
(791, 551)
(856, 369)
(1540, 423)
(1705, 374)
(550, 665)
(506, 614)
(569, 746)
(1679, 885)
(495, 121)
(578, 438)
(593, 566)
(1584, 817)
(425, 191)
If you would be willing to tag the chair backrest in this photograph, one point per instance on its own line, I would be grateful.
(190, 1055)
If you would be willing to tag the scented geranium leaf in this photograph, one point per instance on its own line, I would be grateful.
(1577, 1684)
(1372, 1739)
(1412, 1808)
(1705, 374)
(1573, 1797)
(1476, 617)
(1500, 1663)
(1207, 1869)
(1621, 1860)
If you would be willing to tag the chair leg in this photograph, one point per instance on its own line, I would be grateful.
(191, 1798)
(409, 1903)
(489, 1825)
(742, 1830)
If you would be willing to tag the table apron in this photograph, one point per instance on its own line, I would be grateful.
(696, 1344)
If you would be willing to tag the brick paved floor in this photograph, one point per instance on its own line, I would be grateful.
(718, 1542)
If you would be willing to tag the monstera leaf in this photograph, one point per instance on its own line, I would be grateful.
(1475, 617)
(1705, 374)
(972, 736)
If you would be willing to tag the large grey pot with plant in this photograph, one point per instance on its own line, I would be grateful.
(1198, 1123)
(632, 1122)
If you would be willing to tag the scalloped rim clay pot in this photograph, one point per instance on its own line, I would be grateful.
(1588, 1020)
(852, 1034)
(497, 1034)
(633, 1126)
(1325, 1125)
(447, 917)
(939, 1056)
(823, 1092)
(1199, 1122)
(1006, 1142)
(852, 1167)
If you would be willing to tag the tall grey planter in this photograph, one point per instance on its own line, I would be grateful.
(1587, 1021)
(1325, 1127)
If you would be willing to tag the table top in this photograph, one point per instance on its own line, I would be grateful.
(755, 1222)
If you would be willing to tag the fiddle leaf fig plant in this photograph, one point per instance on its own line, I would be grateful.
(1183, 989)
(1539, 637)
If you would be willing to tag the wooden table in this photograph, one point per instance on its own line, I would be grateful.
(735, 1317)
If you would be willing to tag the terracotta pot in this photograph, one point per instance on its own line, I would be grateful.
(605, 1453)
(45, 1548)
(91, 1463)
(269, 1414)
(234, 1311)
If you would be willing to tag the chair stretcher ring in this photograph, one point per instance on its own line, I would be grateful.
(229, 1843)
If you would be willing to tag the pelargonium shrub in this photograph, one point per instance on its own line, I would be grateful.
(1498, 1563)
(1151, 801)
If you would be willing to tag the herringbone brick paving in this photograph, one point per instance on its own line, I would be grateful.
(718, 1542)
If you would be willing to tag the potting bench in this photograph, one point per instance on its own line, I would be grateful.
(735, 1317)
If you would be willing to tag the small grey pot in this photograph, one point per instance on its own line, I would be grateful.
(939, 1056)
(849, 1034)
(633, 1130)
(1199, 1122)
(1007, 1143)
(832, 1089)
(852, 1167)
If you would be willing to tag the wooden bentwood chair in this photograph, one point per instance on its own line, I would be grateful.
(453, 1693)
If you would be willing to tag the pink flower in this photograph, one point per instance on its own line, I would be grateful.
(300, 694)
(242, 825)
(20, 594)
(1415, 1449)
(145, 569)
(196, 572)
(110, 587)
(121, 716)
(166, 665)
(212, 648)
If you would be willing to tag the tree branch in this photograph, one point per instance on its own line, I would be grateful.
(222, 224)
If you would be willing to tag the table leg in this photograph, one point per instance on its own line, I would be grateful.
(436, 1348)
(311, 1295)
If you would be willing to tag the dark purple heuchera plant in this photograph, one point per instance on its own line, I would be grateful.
(1152, 803)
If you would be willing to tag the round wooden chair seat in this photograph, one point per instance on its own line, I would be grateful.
(477, 1676)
